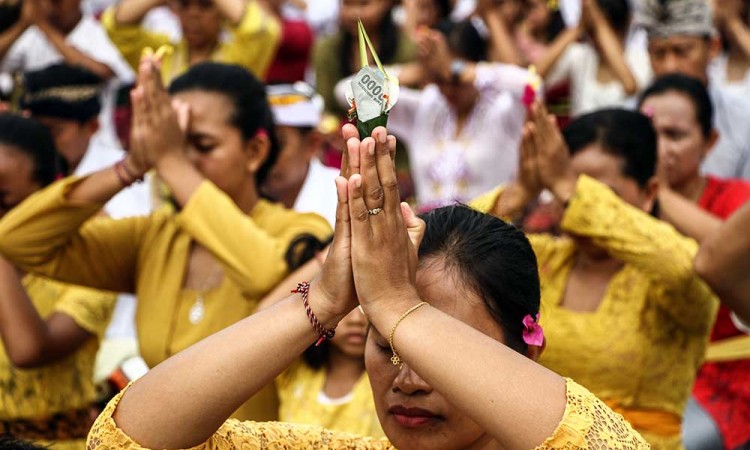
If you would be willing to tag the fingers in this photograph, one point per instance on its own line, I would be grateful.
(358, 214)
(182, 110)
(342, 228)
(348, 132)
(414, 225)
(386, 171)
(373, 191)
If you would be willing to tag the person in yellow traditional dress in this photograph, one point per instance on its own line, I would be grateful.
(626, 315)
(450, 351)
(242, 32)
(50, 331)
(202, 267)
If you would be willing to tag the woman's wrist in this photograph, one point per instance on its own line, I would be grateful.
(564, 188)
(384, 314)
(327, 311)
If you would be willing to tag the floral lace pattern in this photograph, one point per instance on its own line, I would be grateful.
(586, 425)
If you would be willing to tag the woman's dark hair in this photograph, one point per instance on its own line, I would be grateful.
(493, 258)
(33, 139)
(9, 443)
(388, 35)
(248, 95)
(10, 12)
(690, 87)
(618, 14)
(625, 134)
(464, 40)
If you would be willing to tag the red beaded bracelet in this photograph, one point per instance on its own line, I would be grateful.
(304, 288)
(124, 178)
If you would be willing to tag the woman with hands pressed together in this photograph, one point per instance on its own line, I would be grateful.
(625, 314)
(199, 269)
(450, 352)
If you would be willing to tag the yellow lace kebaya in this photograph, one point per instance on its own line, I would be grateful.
(587, 424)
(66, 385)
(640, 350)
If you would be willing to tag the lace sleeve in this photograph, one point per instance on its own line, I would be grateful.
(589, 424)
(236, 435)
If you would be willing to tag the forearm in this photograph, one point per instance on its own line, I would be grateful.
(615, 56)
(517, 401)
(309, 271)
(29, 340)
(723, 261)
(555, 51)
(234, 10)
(511, 202)
(686, 216)
(739, 34)
(73, 56)
(132, 12)
(184, 400)
(180, 175)
(501, 41)
(21, 328)
(10, 36)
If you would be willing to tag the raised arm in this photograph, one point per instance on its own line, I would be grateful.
(11, 35)
(547, 63)
(687, 217)
(724, 262)
(502, 42)
(33, 341)
(132, 12)
(728, 18)
(609, 45)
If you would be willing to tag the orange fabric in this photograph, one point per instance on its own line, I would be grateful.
(650, 420)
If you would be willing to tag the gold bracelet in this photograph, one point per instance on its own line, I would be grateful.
(396, 359)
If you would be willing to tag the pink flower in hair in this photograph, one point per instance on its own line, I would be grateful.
(532, 333)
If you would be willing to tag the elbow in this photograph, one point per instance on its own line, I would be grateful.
(705, 268)
(30, 358)
(630, 87)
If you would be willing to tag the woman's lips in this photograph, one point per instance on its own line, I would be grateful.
(413, 417)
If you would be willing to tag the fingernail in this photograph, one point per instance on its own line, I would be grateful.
(382, 137)
(357, 180)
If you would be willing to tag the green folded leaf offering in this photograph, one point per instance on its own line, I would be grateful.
(371, 93)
